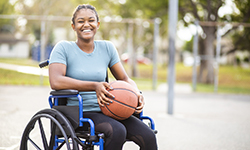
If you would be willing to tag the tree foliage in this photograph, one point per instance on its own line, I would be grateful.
(208, 11)
(241, 35)
(6, 25)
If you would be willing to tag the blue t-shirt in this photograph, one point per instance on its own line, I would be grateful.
(85, 67)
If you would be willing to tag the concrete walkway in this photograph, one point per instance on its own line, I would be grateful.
(25, 69)
(200, 121)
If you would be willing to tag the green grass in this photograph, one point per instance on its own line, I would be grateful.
(231, 79)
(19, 61)
(9, 77)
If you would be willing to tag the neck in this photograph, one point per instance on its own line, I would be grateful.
(87, 47)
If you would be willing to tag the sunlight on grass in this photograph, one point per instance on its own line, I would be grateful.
(231, 79)
(8, 77)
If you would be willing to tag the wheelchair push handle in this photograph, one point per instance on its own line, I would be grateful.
(44, 63)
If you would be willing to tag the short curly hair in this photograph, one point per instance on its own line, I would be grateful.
(84, 6)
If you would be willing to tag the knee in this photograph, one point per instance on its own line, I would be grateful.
(113, 131)
(146, 141)
(115, 137)
(150, 141)
(119, 132)
(150, 137)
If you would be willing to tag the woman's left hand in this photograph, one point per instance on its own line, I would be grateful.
(140, 104)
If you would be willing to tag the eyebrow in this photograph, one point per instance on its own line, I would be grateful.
(83, 18)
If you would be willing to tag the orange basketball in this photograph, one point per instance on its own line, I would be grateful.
(124, 103)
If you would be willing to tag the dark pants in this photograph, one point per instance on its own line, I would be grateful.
(116, 132)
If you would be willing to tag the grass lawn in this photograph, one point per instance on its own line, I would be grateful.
(231, 79)
(9, 77)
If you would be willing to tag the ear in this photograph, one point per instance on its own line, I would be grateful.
(98, 25)
(73, 26)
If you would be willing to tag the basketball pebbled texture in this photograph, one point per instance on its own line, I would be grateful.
(124, 103)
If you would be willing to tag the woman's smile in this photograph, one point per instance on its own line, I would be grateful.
(86, 24)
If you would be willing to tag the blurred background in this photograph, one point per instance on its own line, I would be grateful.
(212, 57)
(212, 44)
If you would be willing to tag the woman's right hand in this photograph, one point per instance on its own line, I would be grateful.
(103, 94)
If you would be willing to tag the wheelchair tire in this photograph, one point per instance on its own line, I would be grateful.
(48, 119)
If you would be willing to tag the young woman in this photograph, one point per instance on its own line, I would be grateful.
(82, 65)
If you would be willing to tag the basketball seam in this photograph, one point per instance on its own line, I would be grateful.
(124, 89)
(122, 103)
(114, 114)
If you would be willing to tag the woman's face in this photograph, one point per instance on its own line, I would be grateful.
(86, 24)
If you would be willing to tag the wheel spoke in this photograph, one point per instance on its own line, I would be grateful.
(61, 145)
(45, 143)
(38, 126)
(34, 144)
(52, 136)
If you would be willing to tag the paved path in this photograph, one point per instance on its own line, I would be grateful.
(200, 121)
(25, 69)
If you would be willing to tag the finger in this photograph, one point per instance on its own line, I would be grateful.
(100, 102)
(108, 86)
(109, 95)
(141, 100)
(138, 111)
(105, 99)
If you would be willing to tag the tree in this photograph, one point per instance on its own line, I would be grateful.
(204, 10)
(208, 10)
(6, 25)
(241, 36)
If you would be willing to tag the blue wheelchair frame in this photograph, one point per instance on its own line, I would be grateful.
(100, 143)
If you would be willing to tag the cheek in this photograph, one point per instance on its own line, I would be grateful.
(77, 26)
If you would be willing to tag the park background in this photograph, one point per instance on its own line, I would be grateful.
(30, 28)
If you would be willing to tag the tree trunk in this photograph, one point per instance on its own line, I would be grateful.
(206, 68)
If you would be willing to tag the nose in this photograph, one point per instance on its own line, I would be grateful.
(86, 24)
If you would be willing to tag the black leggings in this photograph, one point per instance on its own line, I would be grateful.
(116, 132)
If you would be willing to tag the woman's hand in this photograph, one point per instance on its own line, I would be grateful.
(103, 94)
(140, 104)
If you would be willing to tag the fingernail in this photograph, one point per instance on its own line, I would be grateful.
(111, 88)
(111, 101)
(107, 103)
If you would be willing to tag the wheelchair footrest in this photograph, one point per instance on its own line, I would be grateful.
(86, 135)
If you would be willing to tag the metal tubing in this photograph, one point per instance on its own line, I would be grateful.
(173, 17)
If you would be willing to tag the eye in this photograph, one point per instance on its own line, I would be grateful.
(92, 20)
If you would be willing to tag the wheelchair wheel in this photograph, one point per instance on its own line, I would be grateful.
(43, 127)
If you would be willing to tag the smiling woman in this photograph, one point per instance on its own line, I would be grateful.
(82, 65)
(85, 23)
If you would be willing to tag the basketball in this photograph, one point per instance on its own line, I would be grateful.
(124, 103)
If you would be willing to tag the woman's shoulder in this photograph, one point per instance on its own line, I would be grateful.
(65, 43)
(103, 42)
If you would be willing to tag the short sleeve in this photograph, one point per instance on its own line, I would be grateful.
(114, 57)
(58, 54)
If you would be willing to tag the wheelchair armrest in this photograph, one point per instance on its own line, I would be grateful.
(64, 92)
(44, 63)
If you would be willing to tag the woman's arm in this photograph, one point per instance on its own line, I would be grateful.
(120, 74)
(59, 81)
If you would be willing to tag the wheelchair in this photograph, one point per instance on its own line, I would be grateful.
(64, 127)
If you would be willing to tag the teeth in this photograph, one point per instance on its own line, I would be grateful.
(86, 30)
